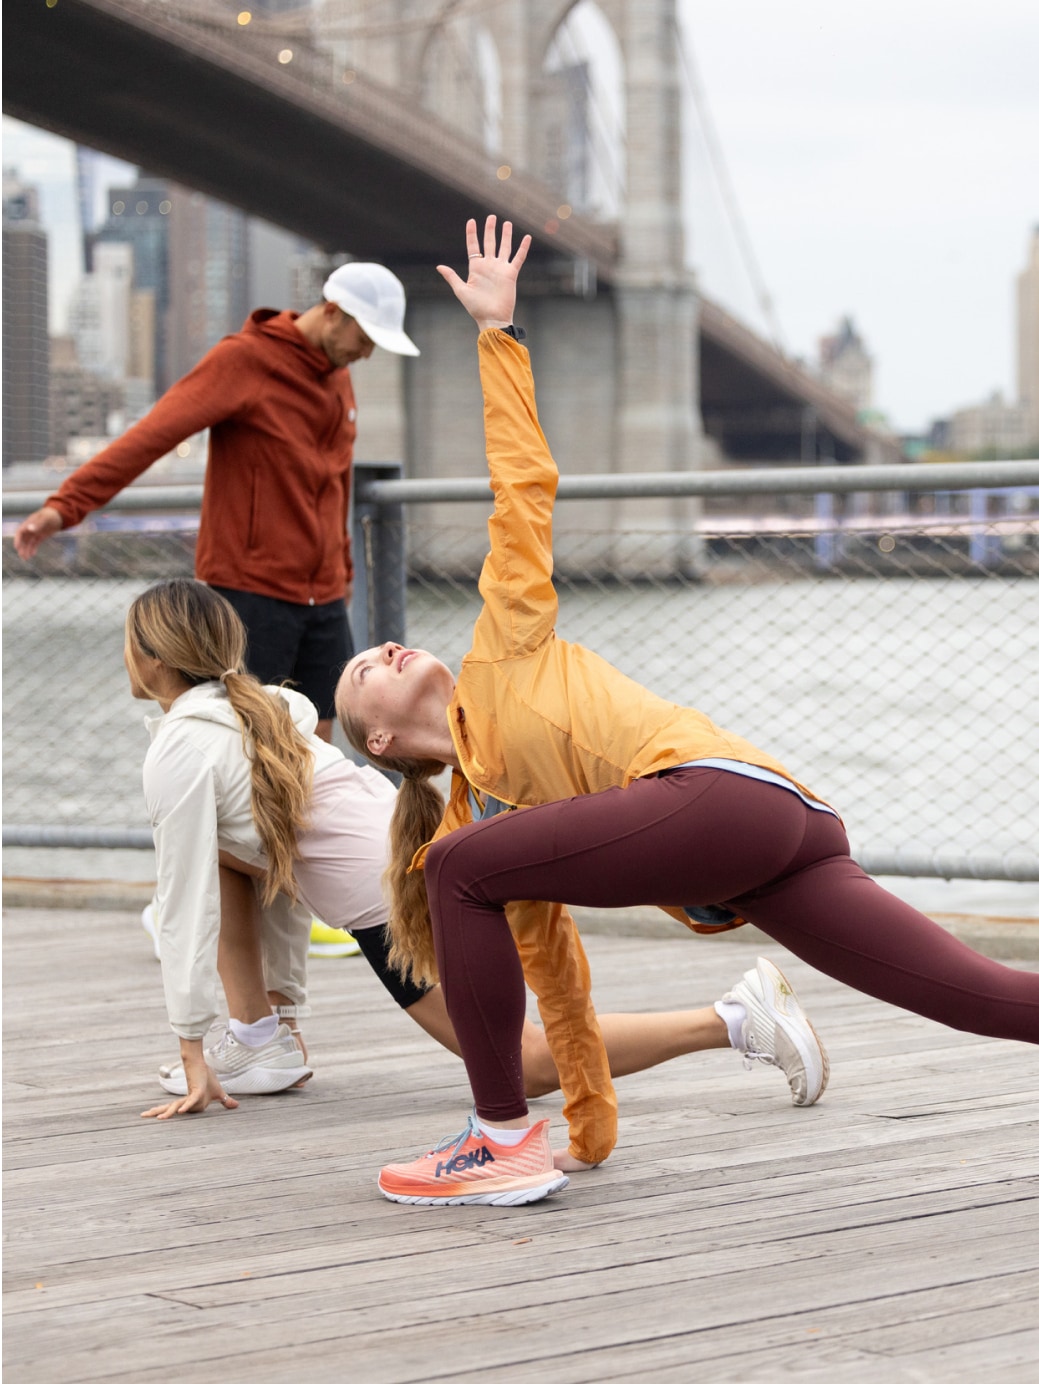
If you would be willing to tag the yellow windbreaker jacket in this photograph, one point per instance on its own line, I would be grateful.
(535, 719)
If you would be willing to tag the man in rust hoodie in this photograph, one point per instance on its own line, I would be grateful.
(273, 534)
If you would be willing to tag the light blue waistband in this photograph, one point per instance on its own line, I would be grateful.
(754, 771)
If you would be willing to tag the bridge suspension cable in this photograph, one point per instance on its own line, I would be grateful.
(719, 168)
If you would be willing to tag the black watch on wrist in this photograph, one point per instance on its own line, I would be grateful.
(517, 333)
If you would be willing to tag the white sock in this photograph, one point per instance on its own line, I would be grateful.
(508, 1138)
(254, 1035)
(734, 1016)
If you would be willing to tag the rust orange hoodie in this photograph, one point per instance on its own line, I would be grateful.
(277, 491)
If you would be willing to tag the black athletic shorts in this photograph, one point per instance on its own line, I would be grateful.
(304, 645)
(375, 948)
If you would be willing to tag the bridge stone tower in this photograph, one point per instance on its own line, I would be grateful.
(615, 362)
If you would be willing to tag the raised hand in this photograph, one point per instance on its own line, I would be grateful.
(489, 293)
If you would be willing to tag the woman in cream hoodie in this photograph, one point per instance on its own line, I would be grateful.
(258, 824)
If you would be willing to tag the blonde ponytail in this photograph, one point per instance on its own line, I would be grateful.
(416, 816)
(281, 769)
(192, 630)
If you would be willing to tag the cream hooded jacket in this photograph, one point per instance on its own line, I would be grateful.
(198, 794)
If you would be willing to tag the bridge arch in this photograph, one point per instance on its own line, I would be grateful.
(460, 77)
(584, 117)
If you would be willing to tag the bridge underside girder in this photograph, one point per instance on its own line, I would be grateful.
(759, 406)
(181, 112)
(187, 105)
(753, 420)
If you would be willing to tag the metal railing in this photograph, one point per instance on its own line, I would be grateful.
(882, 643)
(372, 489)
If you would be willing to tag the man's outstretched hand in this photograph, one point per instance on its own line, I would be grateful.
(489, 293)
(31, 532)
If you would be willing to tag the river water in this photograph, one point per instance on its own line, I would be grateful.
(909, 704)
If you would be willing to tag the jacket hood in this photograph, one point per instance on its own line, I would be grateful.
(208, 702)
(281, 326)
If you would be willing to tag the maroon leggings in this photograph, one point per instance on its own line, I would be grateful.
(695, 836)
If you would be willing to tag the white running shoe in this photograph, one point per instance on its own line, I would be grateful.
(244, 1071)
(151, 928)
(778, 1033)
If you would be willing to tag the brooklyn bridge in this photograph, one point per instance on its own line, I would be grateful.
(378, 136)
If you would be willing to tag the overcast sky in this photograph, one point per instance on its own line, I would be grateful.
(886, 160)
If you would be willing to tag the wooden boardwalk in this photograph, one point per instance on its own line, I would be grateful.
(890, 1233)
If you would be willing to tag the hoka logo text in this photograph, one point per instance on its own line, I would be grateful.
(462, 1162)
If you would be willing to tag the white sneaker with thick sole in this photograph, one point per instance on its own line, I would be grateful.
(777, 1032)
(245, 1071)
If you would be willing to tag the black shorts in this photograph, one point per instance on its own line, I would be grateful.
(305, 645)
(375, 948)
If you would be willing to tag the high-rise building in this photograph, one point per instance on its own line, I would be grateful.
(271, 253)
(140, 216)
(99, 314)
(208, 275)
(26, 412)
(83, 403)
(1028, 339)
(308, 269)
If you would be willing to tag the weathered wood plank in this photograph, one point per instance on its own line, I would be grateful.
(890, 1232)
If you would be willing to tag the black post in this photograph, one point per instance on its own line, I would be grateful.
(379, 608)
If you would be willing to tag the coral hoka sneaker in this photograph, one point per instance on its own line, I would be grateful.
(470, 1169)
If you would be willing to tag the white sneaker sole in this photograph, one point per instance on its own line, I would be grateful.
(258, 1081)
(793, 1021)
(516, 1196)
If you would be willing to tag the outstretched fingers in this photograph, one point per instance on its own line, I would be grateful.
(521, 254)
(448, 274)
(472, 239)
(502, 254)
(488, 293)
(505, 248)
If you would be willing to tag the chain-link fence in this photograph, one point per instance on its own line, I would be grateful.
(891, 662)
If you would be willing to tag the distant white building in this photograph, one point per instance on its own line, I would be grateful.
(994, 426)
(99, 315)
(846, 366)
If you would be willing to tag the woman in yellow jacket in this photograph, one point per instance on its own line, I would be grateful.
(631, 800)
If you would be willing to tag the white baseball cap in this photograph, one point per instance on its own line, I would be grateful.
(374, 298)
